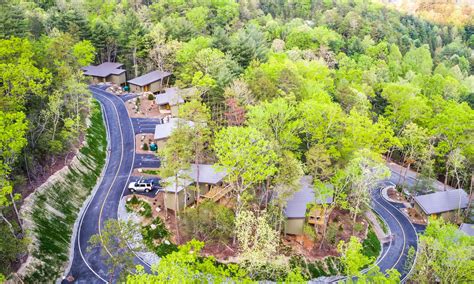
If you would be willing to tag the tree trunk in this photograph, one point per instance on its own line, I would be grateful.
(405, 175)
(198, 188)
(401, 169)
(16, 212)
(9, 224)
(134, 58)
(446, 177)
(327, 213)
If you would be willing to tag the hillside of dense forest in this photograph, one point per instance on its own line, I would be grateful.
(324, 88)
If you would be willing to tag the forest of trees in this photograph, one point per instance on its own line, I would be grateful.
(326, 88)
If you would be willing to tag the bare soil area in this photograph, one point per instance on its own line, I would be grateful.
(415, 216)
(143, 107)
(311, 248)
(395, 195)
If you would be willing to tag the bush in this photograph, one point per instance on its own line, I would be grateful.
(371, 245)
(147, 211)
(157, 231)
(358, 227)
(151, 97)
(145, 146)
(331, 234)
(209, 220)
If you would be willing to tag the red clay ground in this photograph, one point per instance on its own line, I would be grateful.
(309, 247)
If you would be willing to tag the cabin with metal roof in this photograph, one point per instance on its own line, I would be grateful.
(163, 130)
(443, 204)
(153, 81)
(169, 101)
(297, 212)
(106, 72)
(209, 178)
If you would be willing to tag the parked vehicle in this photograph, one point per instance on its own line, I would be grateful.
(142, 185)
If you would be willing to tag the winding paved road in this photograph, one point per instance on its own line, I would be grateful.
(404, 235)
(88, 267)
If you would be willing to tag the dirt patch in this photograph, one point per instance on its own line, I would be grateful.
(395, 195)
(143, 107)
(340, 223)
(414, 216)
(221, 251)
(141, 140)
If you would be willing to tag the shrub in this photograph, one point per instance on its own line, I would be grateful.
(371, 245)
(358, 227)
(210, 220)
(145, 146)
(331, 234)
(147, 211)
(151, 97)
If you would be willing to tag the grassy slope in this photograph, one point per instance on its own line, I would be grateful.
(56, 208)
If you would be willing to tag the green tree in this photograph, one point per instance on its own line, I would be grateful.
(362, 174)
(176, 157)
(186, 265)
(258, 243)
(12, 142)
(246, 156)
(277, 121)
(418, 60)
(352, 257)
(116, 241)
(445, 254)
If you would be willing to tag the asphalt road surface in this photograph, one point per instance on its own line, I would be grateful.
(403, 236)
(88, 266)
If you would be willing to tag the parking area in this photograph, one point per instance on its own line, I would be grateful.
(145, 125)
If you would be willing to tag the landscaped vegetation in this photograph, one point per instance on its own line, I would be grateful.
(335, 90)
(53, 210)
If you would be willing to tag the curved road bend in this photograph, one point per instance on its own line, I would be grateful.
(404, 235)
(88, 267)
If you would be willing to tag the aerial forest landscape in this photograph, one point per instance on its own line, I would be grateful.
(224, 141)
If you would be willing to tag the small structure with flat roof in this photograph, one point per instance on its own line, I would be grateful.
(169, 101)
(209, 180)
(153, 81)
(106, 72)
(163, 131)
(467, 229)
(442, 203)
(296, 208)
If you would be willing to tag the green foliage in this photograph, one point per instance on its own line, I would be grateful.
(52, 231)
(155, 236)
(186, 265)
(445, 254)
(371, 245)
(352, 257)
(151, 97)
(117, 245)
(209, 221)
